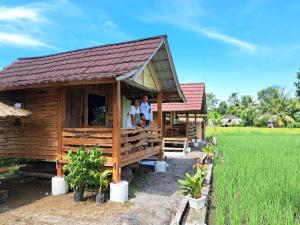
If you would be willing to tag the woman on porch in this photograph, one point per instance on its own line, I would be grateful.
(133, 118)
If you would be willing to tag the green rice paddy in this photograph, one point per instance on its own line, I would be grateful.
(257, 180)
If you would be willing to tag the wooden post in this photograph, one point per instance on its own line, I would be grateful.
(159, 122)
(116, 89)
(172, 115)
(203, 130)
(61, 123)
(187, 124)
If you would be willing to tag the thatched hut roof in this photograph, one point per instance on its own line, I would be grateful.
(10, 111)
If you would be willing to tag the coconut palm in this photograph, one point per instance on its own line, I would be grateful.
(275, 101)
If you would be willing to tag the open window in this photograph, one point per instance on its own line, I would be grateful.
(97, 110)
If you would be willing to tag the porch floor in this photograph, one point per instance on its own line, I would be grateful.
(155, 202)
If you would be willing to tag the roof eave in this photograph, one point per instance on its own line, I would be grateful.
(174, 70)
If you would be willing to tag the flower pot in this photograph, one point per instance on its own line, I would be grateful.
(196, 145)
(188, 149)
(100, 199)
(197, 203)
(3, 195)
(78, 195)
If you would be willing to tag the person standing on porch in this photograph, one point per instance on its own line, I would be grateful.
(146, 110)
(134, 119)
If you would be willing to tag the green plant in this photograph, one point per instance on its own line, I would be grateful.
(140, 175)
(209, 150)
(192, 185)
(83, 167)
(216, 119)
(259, 176)
(103, 180)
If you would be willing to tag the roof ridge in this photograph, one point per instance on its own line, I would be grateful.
(192, 83)
(99, 46)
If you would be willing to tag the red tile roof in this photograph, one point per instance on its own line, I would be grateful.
(195, 100)
(108, 61)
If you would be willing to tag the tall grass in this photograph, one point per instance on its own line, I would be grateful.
(258, 180)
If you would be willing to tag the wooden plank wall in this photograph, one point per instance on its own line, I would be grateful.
(35, 137)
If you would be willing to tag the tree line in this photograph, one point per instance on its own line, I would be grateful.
(273, 104)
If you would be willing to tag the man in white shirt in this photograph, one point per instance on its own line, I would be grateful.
(145, 108)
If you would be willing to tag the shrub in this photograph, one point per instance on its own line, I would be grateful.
(103, 180)
(83, 167)
(192, 185)
(209, 150)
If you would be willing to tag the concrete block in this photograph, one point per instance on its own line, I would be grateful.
(59, 186)
(160, 166)
(119, 192)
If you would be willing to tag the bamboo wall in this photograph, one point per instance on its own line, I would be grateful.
(33, 137)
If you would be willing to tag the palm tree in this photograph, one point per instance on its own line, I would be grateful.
(275, 101)
(246, 101)
(234, 99)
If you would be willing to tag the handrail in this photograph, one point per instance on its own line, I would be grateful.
(88, 129)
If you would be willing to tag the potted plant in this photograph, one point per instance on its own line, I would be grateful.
(83, 169)
(209, 150)
(103, 180)
(191, 186)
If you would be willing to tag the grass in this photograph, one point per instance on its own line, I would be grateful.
(259, 180)
(139, 177)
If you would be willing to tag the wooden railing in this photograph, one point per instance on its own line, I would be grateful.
(72, 138)
(138, 144)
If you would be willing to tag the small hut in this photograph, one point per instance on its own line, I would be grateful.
(80, 98)
(231, 120)
(185, 121)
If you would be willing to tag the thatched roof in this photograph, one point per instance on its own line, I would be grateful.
(10, 111)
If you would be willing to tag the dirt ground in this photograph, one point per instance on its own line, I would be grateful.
(155, 203)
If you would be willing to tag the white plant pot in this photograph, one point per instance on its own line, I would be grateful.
(188, 149)
(197, 203)
(196, 144)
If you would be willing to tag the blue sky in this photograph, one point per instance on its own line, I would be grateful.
(232, 46)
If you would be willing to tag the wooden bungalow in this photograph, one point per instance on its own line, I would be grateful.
(184, 121)
(81, 98)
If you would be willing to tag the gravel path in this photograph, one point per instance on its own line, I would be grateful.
(155, 203)
(158, 198)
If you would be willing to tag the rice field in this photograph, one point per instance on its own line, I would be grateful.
(258, 180)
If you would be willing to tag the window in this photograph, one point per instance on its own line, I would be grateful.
(96, 110)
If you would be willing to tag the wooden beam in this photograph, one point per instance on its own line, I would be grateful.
(160, 122)
(116, 89)
(139, 86)
(187, 124)
(61, 123)
(59, 84)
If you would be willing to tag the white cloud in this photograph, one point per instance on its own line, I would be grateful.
(13, 39)
(184, 13)
(213, 34)
(19, 25)
(19, 13)
(110, 28)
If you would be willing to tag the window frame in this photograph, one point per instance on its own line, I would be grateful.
(86, 108)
